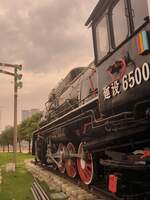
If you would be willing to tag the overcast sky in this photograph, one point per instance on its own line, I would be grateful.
(48, 38)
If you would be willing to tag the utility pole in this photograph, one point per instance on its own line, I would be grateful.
(0, 118)
(16, 86)
(15, 116)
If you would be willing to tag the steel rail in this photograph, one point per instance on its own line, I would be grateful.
(38, 192)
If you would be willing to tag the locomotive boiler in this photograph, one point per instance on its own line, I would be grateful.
(96, 123)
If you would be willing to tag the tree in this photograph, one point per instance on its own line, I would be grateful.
(6, 137)
(27, 127)
(2, 141)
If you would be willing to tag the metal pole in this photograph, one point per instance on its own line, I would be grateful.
(148, 7)
(16, 77)
(15, 117)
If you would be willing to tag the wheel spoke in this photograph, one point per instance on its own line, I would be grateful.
(85, 167)
(88, 165)
(70, 163)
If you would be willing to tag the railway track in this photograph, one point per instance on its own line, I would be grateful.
(99, 193)
(72, 188)
(102, 194)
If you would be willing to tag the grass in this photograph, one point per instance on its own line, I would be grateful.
(15, 185)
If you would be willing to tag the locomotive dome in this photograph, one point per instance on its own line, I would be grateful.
(70, 92)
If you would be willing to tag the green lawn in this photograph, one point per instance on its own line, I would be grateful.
(15, 185)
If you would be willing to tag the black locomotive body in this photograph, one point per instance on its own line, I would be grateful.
(96, 125)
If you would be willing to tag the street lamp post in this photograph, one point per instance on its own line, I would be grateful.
(16, 85)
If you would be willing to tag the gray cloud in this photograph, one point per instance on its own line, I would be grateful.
(46, 35)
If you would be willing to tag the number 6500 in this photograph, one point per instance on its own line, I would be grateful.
(136, 77)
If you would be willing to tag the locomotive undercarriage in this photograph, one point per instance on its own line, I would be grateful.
(111, 161)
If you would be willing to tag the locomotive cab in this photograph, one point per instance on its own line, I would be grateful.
(122, 53)
(121, 40)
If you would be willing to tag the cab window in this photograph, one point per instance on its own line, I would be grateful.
(139, 12)
(102, 38)
(120, 24)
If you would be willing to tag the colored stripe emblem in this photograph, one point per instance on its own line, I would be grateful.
(142, 42)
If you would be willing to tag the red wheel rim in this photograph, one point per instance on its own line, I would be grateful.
(85, 167)
(70, 163)
(61, 149)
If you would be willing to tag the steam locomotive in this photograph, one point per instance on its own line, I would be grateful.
(96, 123)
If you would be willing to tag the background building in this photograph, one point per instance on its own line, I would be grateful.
(28, 113)
(33, 111)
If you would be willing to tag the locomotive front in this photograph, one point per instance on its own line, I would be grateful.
(121, 35)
